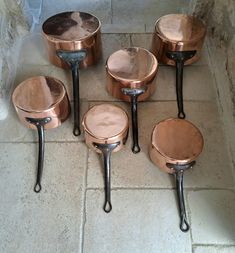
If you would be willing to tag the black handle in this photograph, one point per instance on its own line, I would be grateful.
(180, 57)
(39, 123)
(134, 94)
(106, 150)
(73, 58)
(179, 172)
(184, 225)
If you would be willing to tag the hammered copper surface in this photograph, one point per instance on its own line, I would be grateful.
(178, 32)
(175, 141)
(105, 123)
(40, 97)
(131, 68)
(73, 31)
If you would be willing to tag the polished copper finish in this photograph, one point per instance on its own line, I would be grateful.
(175, 141)
(133, 67)
(73, 31)
(41, 97)
(105, 124)
(177, 32)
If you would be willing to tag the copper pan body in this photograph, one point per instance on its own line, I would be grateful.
(133, 67)
(105, 124)
(40, 97)
(178, 32)
(175, 141)
(73, 31)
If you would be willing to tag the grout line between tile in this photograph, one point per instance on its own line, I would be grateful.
(84, 203)
(111, 7)
(213, 245)
(187, 189)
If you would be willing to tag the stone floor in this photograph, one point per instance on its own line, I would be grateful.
(67, 216)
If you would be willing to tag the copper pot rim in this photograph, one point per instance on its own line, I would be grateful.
(171, 159)
(135, 81)
(63, 94)
(53, 39)
(156, 30)
(105, 139)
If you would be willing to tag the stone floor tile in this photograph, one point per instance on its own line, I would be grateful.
(50, 221)
(141, 40)
(101, 9)
(147, 12)
(212, 216)
(141, 221)
(214, 249)
(123, 28)
(213, 168)
(114, 42)
(197, 84)
(12, 130)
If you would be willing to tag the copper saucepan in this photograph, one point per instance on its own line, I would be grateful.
(175, 144)
(106, 131)
(73, 39)
(130, 76)
(178, 40)
(41, 103)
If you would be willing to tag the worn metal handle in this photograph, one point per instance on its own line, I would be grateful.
(179, 172)
(180, 57)
(106, 150)
(73, 58)
(134, 94)
(39, 123)
(184, 225)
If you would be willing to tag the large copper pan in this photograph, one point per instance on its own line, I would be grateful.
(177, 41)
(106, 131)
(41, 103)
(73, 40)
(175, 145)
(131, 76)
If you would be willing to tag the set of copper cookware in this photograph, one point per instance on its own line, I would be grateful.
(73, 41)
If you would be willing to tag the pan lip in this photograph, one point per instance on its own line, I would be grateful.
(172, 159)
(62, 96)
(53, 39)
(134, 80)
(158, 33)
(86, 129)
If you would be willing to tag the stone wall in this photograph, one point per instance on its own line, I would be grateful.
(12, 27)
(220, 18)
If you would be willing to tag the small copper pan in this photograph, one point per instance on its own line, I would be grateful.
(73, 40)
(41, 103)
(131, 76)
(178, 40)
(175, 144)
(106, 131)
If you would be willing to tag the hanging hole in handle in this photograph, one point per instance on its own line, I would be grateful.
(37, 187)
(76, 131)
(107, 206)
(181, 115)
(135, 149)
(184, 226)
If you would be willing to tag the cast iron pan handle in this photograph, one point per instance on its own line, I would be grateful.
(134, 94)
(106, 150)
(39, 123)
(180, 57)
(73, 58)
(179, 171)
